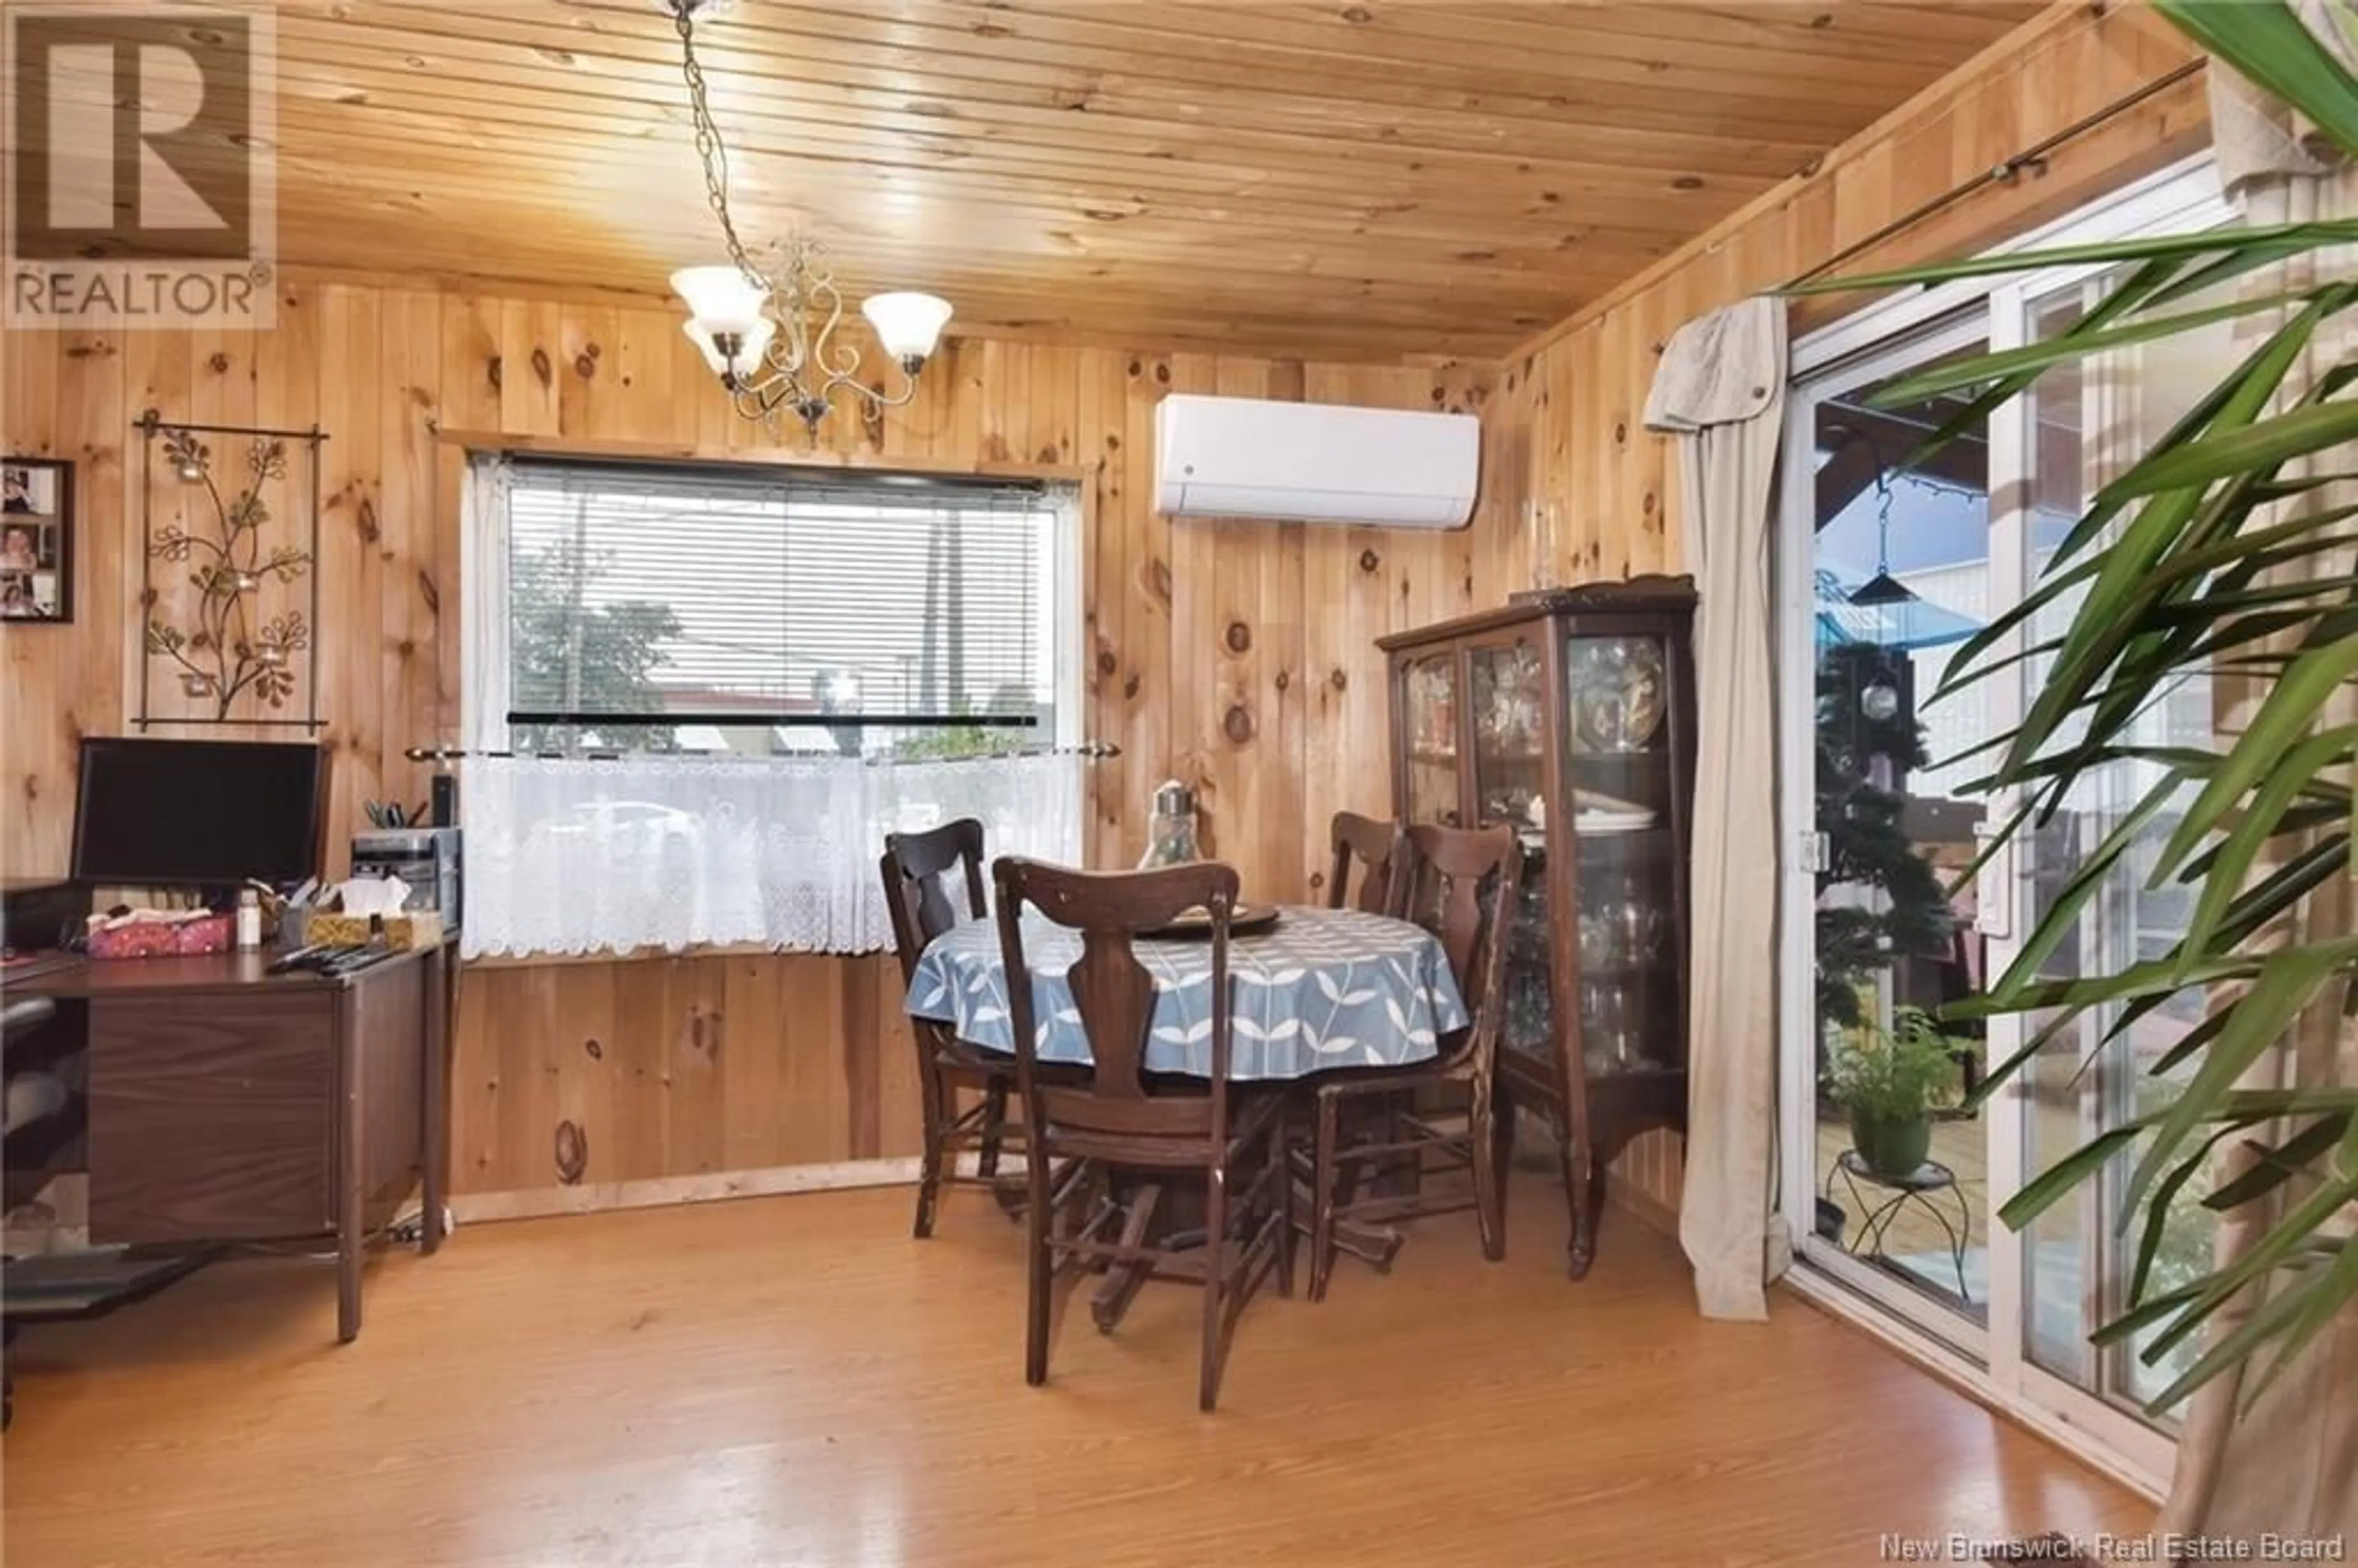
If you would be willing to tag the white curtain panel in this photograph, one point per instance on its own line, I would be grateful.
(576, 856)
(1721, 392)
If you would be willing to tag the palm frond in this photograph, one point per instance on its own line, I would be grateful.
(2191, 560)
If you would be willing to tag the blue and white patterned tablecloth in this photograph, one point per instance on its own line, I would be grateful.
(1323, 988)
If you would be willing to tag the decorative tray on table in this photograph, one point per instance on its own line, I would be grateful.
(1243, 920)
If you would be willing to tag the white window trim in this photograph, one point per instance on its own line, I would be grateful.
(2176, 196)
(555, 868)
(483, 603)
(1071, 615)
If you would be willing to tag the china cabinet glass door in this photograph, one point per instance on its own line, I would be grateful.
(1509, 691)
(1430, 704)
(1620, 765)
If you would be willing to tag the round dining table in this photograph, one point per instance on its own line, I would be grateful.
(1321, 989)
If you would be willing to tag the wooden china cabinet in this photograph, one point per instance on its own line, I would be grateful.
(1570, 714)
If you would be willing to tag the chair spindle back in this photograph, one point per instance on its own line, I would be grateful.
(915, 867)
(1113, 991)
(1466, 883)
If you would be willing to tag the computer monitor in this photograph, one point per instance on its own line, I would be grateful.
(199, 813)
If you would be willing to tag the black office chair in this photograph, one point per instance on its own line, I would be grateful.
(43, 1121)
(23, 1016)
(34, 1098)
(31, 1111)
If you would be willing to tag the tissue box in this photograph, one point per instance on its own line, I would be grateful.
(410, 928)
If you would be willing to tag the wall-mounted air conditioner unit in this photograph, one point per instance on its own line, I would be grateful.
(1314, 462)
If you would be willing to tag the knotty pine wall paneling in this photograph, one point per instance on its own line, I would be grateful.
(1598, 494)
(1597, 491)
(1238, 656)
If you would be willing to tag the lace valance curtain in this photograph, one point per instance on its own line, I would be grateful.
(580, 855)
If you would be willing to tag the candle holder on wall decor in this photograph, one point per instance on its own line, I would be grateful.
(236, 615)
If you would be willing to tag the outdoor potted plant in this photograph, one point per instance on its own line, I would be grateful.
(1891, 1081)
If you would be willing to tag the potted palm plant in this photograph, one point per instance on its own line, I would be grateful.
(1891, 1081)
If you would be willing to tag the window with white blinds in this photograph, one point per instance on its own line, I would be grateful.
(766, 610)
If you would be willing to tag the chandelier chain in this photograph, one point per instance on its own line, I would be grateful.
(708, 145)
(795, 365)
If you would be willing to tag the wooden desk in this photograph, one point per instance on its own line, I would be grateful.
(226, 1104)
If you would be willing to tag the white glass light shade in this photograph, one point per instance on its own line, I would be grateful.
(751, 340)
(721, 297)
(908, 324)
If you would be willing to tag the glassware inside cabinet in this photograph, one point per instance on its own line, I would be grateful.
(1430, 710)
(1620, 693)
(1509, 725)
(1616, 734)
(1618, 754)
(1530, 1012)
(1611, 1024)
(1629, 948)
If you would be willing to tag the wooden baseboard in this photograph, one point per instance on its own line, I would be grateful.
(658, 1191)
(1643, 1205)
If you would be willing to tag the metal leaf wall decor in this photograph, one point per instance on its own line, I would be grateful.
(219, 641)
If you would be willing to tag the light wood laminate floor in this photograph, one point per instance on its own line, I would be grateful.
(794, 1382)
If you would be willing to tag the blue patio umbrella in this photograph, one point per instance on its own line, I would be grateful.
(1885, 611)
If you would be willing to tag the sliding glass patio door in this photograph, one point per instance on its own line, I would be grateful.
(2077, 430)
(1891, 557)
(1897, 553)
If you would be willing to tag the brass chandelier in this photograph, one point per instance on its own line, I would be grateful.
(770, 336)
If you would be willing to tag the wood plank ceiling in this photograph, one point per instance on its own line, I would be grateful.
(1346, 177)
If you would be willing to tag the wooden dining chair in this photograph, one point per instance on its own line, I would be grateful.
(922, 873)
(1103, 1146)
(1460, 885)
(1375, 848)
